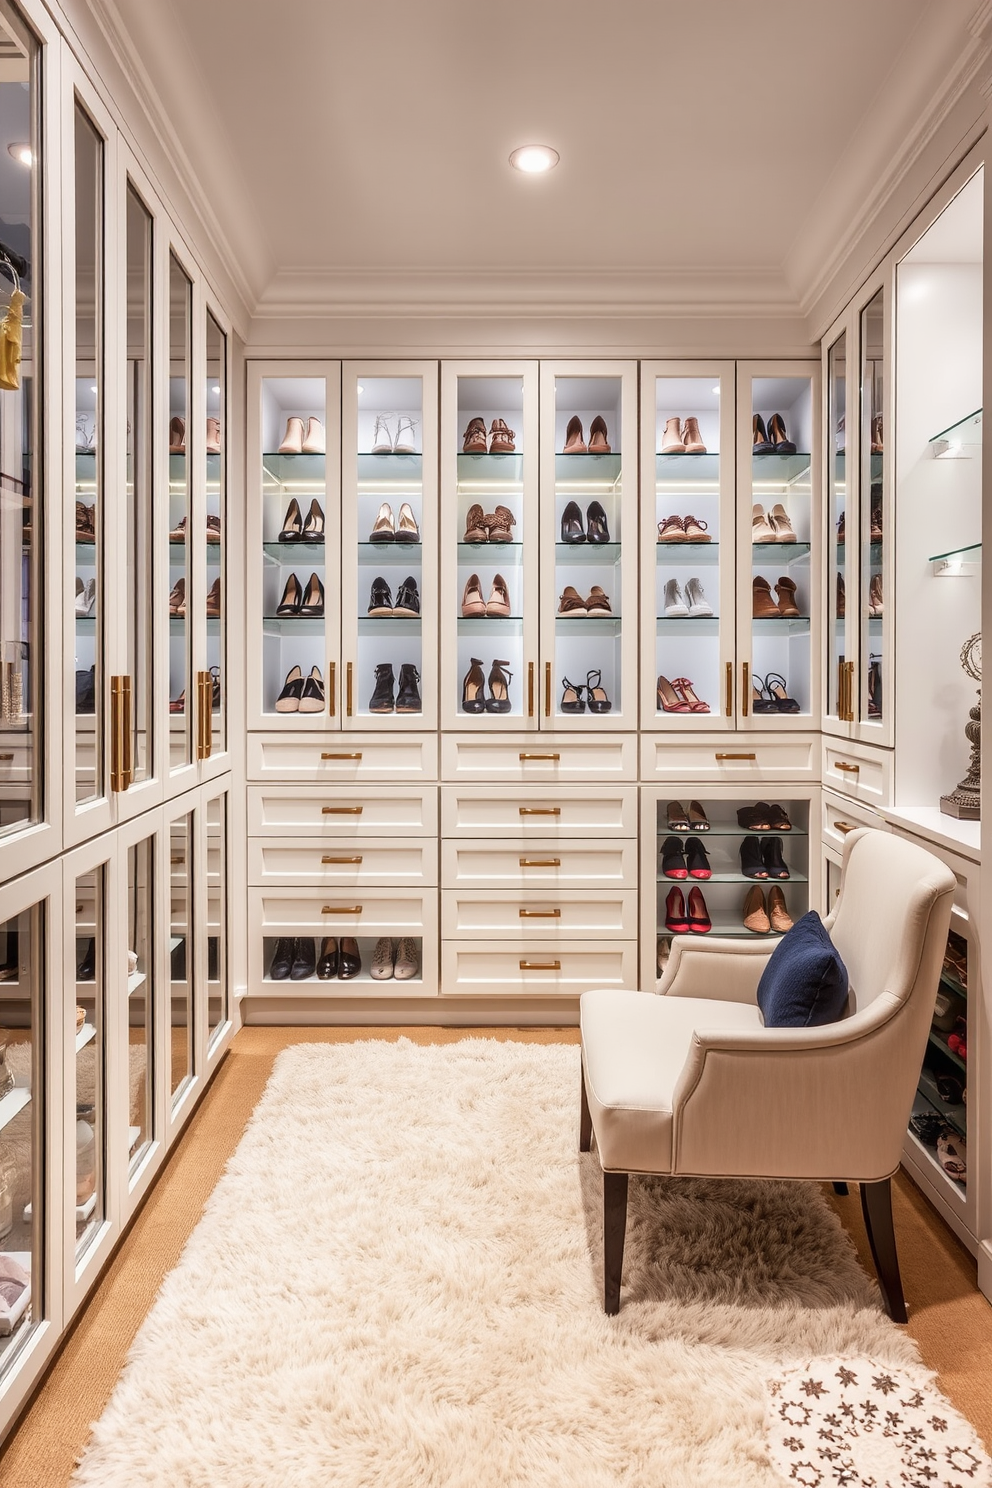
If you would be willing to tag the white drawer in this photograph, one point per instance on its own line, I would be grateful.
(289, 911)
(725, 760)
(858, 771)
(552, 811)
(501, 968)
(540, 759)
(548, 915)
(471, 863)
(382, 811)
(409, 862)
(278, 757)
(840, 817)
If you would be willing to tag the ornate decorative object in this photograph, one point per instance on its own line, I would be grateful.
(965, 800)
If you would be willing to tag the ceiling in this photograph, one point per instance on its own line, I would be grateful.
(358, 152)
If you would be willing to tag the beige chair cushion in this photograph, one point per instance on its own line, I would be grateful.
(635, 1045)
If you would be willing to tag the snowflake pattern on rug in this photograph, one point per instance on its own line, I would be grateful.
(855, 1423)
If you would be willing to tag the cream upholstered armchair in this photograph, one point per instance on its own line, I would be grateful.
(689, 1081)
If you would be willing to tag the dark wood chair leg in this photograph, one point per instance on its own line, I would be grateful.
(842, 1189)
(876, 1206)
(585, 1120)
(614, 1229)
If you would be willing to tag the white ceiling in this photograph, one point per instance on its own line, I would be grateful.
(352, 150)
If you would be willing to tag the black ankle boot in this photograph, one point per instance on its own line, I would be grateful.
(385, 683)
(304, 959)
(408, 695)
(771, 853)
(282, 959)
(752, 863)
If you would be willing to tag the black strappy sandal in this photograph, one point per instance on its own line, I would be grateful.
(775, 687)
(572, 700)
(598, 701)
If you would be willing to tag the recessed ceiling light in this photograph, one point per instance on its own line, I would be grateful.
(534, 158)
(20, 153)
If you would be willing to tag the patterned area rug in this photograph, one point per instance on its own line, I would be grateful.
(397, 1284)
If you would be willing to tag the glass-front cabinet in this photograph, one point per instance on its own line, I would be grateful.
(840, 668)
(870, 696)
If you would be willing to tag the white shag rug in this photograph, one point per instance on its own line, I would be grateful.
(397, 1284)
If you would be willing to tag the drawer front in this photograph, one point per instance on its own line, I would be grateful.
(409, 862)
(841, 817)
(383, 811)
(539, 760)
(861, 773)
(719, 760)
(542, 915)
(501, 968)
(576, 811)
(543, 863)
(276, 757)
(288, 911)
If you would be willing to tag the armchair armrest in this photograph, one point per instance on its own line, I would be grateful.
(717, 968)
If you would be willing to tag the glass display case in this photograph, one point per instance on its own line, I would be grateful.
(142, 963)
(92, 954)
(870, 700)
(840, 667)
(218, 889)
(182, 964)
(215, 455)
(181, 533)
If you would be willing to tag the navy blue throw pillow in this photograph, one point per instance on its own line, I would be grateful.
(805, 981)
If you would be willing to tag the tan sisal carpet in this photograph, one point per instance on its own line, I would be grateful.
(952, 1322)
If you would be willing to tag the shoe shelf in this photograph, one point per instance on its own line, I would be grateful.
(727, 878)
(726, 831)
(695, 555)
(385, 473)
(773, 474)
(292, 625)
(953, 442)
(293, 474)
(706, 625)
(686, 473)
(963, 562)
(494, 555)
(370, 554)
(177, 625)
(958, 1186)
(587, 553)
(498, 475)
(939, 1041)
(288, 552)
(955, 1115)
(769, 552)
(383, 625)
(588, 475)
(578, 625)
(781, 625)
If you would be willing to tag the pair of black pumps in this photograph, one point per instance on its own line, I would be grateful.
(295, 529)
(474, 698)
(761, 857)
(298, 601)
(596, 529)
(771, 441)
(295, 957)
(596, 699)
(387, 698)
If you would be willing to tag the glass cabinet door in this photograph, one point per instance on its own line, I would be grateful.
(776, 474)
(295, 522)
(687, 571)
(216, 533)
(138, 481)
(872, 533)
(23, 726)
(588, 545)
(182, 964)
(839, 571)
(181, 535)
(141, 970)
(92, 946)
(389, 545)
(216, 811)
(489, 616)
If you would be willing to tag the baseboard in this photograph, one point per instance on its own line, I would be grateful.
(985, 1267)
(394, 1012)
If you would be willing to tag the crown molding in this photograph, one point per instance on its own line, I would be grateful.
(490, 294)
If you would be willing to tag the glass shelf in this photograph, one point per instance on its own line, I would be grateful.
(288, 473)
(589, 474)
(294, 625)
(787, 552)
(376, 464)
(732, 928)
(781, 467)
(86, 543)
(728, 878)
(177, 625)
(958, 441)
(780, 624)
(695, 554)
(391, 554)
(939, 1041)
(494, 555)
(567, 553)
(86, 624)
(491, 473)
(686, 470)
(474, 624)
(287, 552)
(701, 624)
(387, 625)
(718, 830)
(955, 552)
(956, 1116)
(593, 624)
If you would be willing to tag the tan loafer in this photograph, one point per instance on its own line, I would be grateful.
(755, 915)
(778, 915)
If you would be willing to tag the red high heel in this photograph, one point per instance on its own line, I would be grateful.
(675, 918)
(699, 916)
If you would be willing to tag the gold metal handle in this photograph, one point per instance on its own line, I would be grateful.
(729, 705)
(356, 858)
(539, 862)
(6, 758)
(116, 742)
(540, 914)
(332, 687)
(204, 688)
(127, 738)
(349, 687)
(841, 705)
(720, 756)
(525, 756)
(530, 689)
(746, 694)
(844, 827)
(850, 692)
(547, 689)
(357, 754)
(539, 810)
(341, 810)
(540, 966)
(848, 769)
(353, 909)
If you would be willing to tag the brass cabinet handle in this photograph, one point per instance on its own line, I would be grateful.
(850, 692)
(357, 858)
(349, 689)
(848, 769)
(6, 758)
(723, 756)
(547, 689)
(121, 761)
(332, 684)
(539, 810)
(540, 966)
(530, 689)
(746, 694)
(128, 757)
(729, 706)
(357, 754)
(844, 827)
(354, 909)
(341, 810)
(524, 756)
(540, 914)
(841, 704)
(539, 862)
(204, 690)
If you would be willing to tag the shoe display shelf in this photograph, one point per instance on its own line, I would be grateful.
(729, 893)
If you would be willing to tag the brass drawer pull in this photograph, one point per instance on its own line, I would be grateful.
(524, 755)
(341, 810)
(849, 769)
(353, 909)
(540, 862)
(356, 859)
(539, 810)
(720, 756)
(6, 758)
(540, 966)
(356, 754)
(845, 827)
(540, 914)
